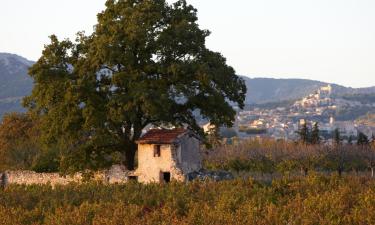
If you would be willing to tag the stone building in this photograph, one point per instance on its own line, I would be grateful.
(325, 92)
(165, 155)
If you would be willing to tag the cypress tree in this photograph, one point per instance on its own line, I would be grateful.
(304, 134)
(315, 137)
(362, 139)
(350, 140)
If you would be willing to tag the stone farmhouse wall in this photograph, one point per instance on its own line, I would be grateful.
(117, 174)
(178, 159)
(150, 167)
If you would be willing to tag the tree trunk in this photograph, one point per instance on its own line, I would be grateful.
(372, 172)
(2, 180)
(339, 172)
(306, 171)
(130, 151)
(130, 147)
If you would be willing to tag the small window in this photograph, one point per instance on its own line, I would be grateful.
(157, 150)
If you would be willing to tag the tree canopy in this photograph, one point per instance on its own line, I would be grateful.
(145, 63)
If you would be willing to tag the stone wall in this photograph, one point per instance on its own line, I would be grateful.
(29, 177)
(117, 174)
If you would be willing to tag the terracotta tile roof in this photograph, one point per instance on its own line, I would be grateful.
(161, 136)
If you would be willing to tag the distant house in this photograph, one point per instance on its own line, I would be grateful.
(346, 128)
(165, 155)
(208, 128)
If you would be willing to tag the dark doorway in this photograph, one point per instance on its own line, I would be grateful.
(133, 178)
(167, 177)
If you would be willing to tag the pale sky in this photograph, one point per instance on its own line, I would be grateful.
(326, 40)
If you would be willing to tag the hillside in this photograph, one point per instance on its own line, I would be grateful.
(15, 83)
(367, 120)
(268, 90)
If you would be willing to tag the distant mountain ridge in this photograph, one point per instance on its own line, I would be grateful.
(15, 84)
(267, 90)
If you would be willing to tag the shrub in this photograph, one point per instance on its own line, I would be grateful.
(267, 156)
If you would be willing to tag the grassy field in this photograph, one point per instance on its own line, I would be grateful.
(315, 199)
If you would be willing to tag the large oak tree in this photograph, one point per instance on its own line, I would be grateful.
(145, 63)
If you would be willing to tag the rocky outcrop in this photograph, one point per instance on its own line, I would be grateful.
(210, 175)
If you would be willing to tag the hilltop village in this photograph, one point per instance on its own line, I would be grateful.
(284, 122)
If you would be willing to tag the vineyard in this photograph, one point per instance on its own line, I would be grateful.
(314, 199)
(270, 157)
(277, 182)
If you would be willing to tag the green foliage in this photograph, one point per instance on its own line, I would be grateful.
(315, 134)
(286, 166)
(20, 148)
(309, 136)
(314, 199)
(146, 63)
(362, 139)
(304, 134)
(47, 161)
